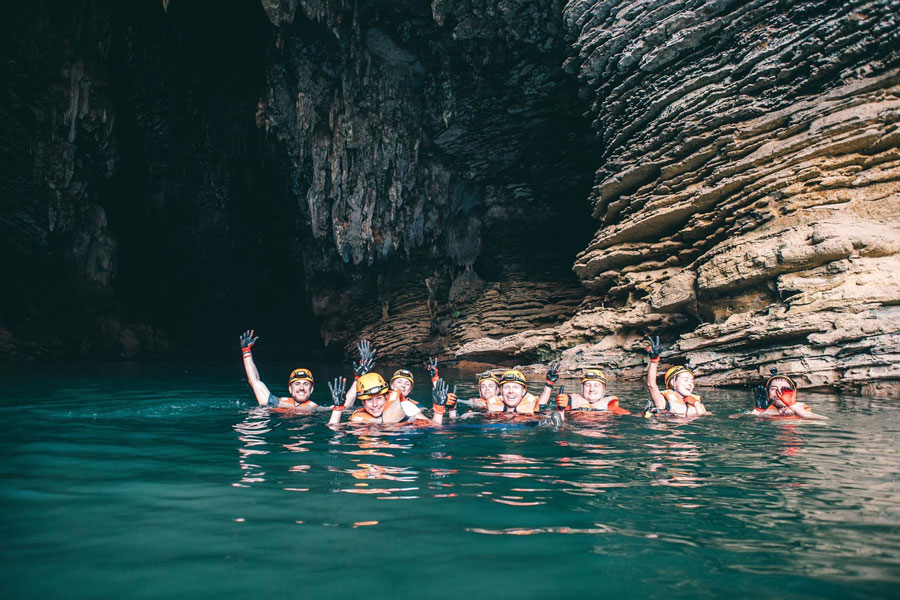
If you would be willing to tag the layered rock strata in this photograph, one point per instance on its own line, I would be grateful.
(748, 195)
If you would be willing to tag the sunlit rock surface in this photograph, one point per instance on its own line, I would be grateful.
(749, 183)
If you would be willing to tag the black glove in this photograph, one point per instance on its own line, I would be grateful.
(761, 397)
(553, 374)
(654, 348)
(247, 341)
(337, 392)
(366, 358)
(439, 395)
(431, 367)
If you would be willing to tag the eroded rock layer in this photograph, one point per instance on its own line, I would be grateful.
(748, 191)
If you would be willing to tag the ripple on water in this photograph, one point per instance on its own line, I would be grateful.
(196, 482)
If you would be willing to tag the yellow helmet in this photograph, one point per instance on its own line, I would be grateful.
(301, 375)
(777, 376)
(403, 374)
(594, 374)
(674, 372)
(513, 376)
(370, 385)
(488, 376)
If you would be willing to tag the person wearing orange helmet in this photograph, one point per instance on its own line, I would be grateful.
(402, 380)
(592, 397)
(380, 404)
(300, 382)
(678, 398)
(778, 398)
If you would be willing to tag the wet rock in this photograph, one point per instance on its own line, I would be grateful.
(748, 178)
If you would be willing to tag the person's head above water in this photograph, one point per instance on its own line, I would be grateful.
(301, 384)
(781, 387)
(512, 387)
(488, 385)
(593, 385)
(370, 390)
(402, 381)
(680, 379)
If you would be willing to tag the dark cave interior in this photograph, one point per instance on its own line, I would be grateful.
(152, 164)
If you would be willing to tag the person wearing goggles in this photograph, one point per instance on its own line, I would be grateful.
(300, 383)
(402, 380)
(678, 398)
(380, 404)
(514, 394)
(488, 391)
(592, 397)
(777, 397)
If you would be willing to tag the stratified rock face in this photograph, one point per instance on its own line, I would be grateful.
(748, 189)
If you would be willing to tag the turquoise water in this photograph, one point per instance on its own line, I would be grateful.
(157, 481)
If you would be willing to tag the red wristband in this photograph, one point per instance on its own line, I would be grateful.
(338, 408)
(654, 360)
(438, 409)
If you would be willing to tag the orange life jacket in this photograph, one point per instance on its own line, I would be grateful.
(294, 405)
(529, 405)
(774, 411)
(394, 397)
(612, 405)
(675, 399)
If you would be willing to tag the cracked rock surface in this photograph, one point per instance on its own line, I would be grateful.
(749, 185)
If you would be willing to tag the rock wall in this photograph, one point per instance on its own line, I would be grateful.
(438, 153)
(747, 191)
(503, 182)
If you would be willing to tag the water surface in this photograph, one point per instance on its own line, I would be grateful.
(156, 481)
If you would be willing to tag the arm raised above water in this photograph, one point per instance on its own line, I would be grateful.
(263, 396)
(655, 395)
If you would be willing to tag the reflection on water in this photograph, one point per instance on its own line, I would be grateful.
(637, 507)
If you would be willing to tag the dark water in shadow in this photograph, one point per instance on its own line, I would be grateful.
(156, 481)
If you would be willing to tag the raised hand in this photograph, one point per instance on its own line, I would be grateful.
(654, 348)
(432, 368)
(439, 395)
(787, 397)
(364, 347)
(562, 399)
(337, 392)
(247, 341)
(761, 397)
(452, 399)
(366, 358)
(553, 374)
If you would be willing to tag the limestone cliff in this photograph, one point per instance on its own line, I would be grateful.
(747, 191)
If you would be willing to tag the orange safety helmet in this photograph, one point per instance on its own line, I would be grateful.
(370, 385)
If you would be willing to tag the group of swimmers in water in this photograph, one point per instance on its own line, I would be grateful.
(390, 402)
